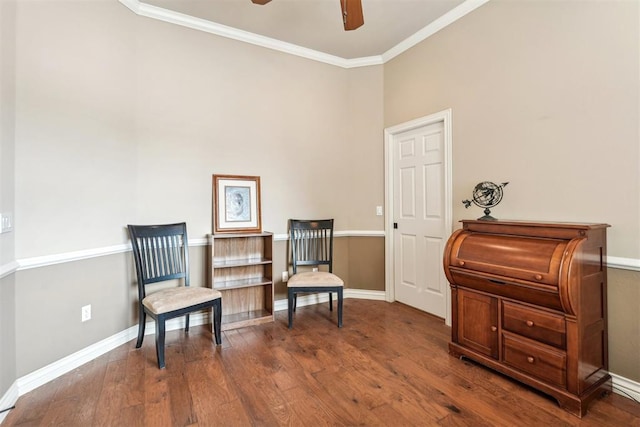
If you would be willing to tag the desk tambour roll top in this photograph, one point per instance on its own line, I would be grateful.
(529, 300)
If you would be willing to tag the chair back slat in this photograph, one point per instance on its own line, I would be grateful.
(311, 243)
(160, 252)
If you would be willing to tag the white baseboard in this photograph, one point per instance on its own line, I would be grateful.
(625, 387)
(621, 385)
(52, 371)
(311, 299)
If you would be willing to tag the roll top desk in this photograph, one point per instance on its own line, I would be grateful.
(529, 300)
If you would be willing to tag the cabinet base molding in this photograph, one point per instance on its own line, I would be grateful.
(576, 405)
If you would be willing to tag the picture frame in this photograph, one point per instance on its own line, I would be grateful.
(236, 204)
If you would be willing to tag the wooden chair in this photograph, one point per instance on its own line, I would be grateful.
(312, 246)
(161, 253)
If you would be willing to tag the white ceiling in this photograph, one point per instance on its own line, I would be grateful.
(314, 25)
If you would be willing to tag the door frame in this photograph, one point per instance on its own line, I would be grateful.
(390, 135)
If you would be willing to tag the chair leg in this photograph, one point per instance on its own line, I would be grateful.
(217, 320)
(186, 323)
(330, 301)
(340, 308)
(160, 331)
(295, 301)
(292, 306)
(142, 321)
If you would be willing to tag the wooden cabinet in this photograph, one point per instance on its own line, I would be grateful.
(242, 269)
(529, 300)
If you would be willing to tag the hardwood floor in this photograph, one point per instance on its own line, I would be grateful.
(387, 366)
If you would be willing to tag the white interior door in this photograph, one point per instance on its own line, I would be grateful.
(419, 210)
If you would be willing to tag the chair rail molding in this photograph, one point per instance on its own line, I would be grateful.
(9, 268)
(45, 260)
(621, 263)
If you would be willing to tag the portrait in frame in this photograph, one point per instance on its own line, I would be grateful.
(236, 204)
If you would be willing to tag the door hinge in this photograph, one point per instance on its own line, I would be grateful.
(395, 225)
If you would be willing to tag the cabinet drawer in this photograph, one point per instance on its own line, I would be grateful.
(532, 293)
(539, 325)
(539, 360)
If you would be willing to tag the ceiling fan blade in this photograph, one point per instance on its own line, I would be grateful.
(352, 16)
(262, 2)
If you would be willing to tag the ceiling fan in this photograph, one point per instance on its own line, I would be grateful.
(352, 16)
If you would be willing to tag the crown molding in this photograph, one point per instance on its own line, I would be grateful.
(445, 20)
(177, 18)
(143, 9)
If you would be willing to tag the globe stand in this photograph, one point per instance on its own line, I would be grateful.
(486, 195)
(486, 216)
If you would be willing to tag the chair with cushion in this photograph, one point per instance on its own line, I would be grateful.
(312, 248)
(161, 253)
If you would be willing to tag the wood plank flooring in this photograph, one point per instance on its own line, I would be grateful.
(388, 366)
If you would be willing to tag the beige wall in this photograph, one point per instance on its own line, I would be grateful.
(76, 153)
(128, 120)
(624, 323)
(48, 302)
(544, 95)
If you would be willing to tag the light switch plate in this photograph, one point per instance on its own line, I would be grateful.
(6, 222)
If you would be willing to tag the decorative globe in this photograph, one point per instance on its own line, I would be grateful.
(486, 195)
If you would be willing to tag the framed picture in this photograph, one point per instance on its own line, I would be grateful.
(236, 204)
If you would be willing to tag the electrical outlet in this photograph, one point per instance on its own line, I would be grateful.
(285, 276)
(86, 313)
(315, 269)
(379, 210)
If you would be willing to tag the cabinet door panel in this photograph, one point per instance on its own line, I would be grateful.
(478, 322)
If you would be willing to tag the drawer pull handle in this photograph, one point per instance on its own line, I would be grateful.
(530, 359)
(493, 329)
(461, 263)
(497, 282)
(538, 277)
(530, 323)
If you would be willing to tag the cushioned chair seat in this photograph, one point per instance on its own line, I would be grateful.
(172, 299)
(313, 279)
